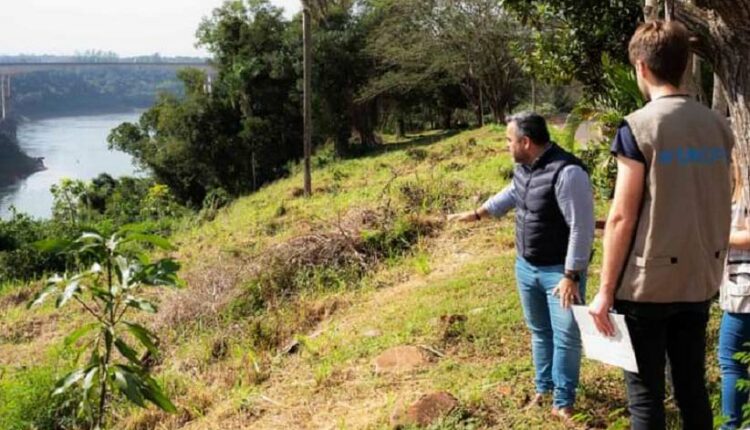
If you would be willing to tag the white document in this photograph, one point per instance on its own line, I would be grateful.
(616, 350)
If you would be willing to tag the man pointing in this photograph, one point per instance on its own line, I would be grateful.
(551, 193)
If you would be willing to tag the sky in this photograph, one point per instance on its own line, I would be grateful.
(126, 27)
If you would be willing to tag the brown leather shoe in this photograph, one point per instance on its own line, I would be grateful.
(565, 415)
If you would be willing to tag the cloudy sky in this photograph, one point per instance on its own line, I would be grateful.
(127, 27)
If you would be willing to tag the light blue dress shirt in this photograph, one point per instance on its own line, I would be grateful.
(575, 197)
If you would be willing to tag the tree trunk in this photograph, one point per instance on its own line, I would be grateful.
(651, 10)
(363, 121)
(447, 119)
(307, 42)
(669, 10)
(401, 126)
(737, 89)
(533, 95)
(722, 37)
(480, 113)
(688, 81)
(697, 81)
(719, 101)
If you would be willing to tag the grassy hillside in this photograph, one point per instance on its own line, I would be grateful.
(289, 301)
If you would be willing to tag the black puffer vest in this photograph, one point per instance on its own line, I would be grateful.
(541, 230)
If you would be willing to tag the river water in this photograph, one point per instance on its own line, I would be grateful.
(73, 147)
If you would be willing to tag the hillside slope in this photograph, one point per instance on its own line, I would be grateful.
(291, 300)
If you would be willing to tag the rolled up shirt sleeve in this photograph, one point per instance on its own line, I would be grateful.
(575, 197)
(502, 202)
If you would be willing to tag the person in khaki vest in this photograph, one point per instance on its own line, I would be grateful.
(667, 232)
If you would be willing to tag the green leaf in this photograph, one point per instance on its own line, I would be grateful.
(127, 351)
(90, 237)
(153, 392)
(42, 296)
(101, 294)
(133, 228)
(70, 290)
(124, 271)
(95, 358)
(78, 333)
(142, 304)
(53, 246)
(55, 279)
(160, 273)
(113, 242)
(68, 380)
(144, 336)
(157, 241)
(89, 379)
(128, 384)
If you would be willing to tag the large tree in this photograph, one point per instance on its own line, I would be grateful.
(243, 131)
(722, 38)
(421, 44)
(572, 35)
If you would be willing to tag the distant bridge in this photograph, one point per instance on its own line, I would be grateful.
(11, 69)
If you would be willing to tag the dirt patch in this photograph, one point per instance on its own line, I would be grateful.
(27, 330)
(401, 359)
(17, 297)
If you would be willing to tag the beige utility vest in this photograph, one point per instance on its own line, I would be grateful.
(682, 235)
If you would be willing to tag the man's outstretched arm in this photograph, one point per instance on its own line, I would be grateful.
(497, 206)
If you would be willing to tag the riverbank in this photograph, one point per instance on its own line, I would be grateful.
(73, 147)
(14, 163)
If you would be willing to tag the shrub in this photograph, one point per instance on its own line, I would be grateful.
(109, 292)
(19, 258)
(619, 97)
(329, 260)
(27, 403)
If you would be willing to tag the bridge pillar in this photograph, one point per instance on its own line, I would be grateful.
(2, 94)
(5, 94)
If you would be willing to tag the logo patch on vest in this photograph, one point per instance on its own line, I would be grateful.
(691, 156)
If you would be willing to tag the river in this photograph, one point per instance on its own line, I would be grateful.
(73, 147)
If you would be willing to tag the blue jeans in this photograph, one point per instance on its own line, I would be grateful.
(555, 339)
(733, 335)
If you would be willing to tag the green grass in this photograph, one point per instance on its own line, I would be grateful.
(228, 372)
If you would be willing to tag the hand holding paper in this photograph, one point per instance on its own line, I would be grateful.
(616, 350)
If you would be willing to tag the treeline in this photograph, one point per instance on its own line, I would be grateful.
(107, 89)
(386, 65)
(379, 66)
(96, 56)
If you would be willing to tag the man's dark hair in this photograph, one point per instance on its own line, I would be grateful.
(664, 47)
(531, 125)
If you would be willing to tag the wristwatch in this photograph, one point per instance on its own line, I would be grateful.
(573, 275)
